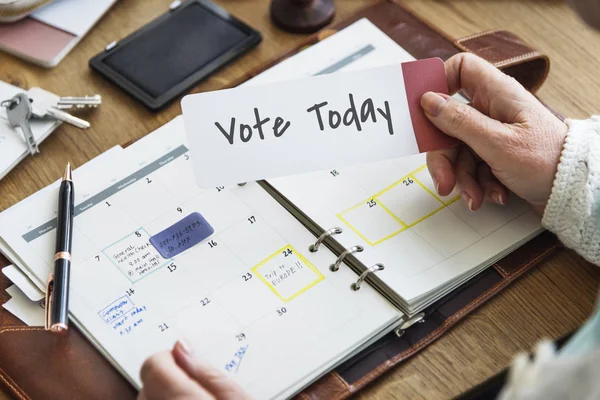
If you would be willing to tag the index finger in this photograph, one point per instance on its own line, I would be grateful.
(466, 72)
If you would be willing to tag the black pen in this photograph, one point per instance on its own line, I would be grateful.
(57, 293)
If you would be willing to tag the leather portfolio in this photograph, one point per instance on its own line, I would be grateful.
(35, 364)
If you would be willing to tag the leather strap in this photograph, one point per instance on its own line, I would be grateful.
(500, 47)
(509, 53)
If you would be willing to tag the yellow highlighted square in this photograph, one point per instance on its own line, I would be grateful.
(287, 273)
(391, 210)
(372, 221)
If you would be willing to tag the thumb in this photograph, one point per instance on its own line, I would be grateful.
(457, 119)
(213, 380)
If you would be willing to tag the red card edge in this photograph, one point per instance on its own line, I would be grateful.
(420, 77)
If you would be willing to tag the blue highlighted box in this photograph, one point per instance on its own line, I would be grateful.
(182, 235)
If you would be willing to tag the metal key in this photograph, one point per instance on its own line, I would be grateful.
(66, 117)
(44, 105)
(67, 102)
(18, 111)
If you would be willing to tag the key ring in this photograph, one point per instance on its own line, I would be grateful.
(10, 102)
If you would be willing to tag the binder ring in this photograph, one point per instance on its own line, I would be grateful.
(408, 322)
(354, 249)
(371, 270)
(313, 248)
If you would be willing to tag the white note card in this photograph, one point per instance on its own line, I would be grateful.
(314, 123)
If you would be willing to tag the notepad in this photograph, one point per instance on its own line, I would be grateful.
(260, 297)
(47, 35)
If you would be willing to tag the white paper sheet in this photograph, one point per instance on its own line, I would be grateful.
(21, 280)
(73, 16)
(30, 312)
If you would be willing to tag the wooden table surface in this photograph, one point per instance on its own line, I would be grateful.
(549, 302)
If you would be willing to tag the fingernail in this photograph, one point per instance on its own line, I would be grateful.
(497, 197)
(432, 103)
(436, 184)
(468, 200)
(184, 347)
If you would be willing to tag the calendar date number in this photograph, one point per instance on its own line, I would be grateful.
(247, 276)
(281, 311)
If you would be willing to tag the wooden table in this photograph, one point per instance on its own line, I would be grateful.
(549, 302)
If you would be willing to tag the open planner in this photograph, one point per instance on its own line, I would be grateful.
(261, 298)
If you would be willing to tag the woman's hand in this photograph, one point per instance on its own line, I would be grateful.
(509, 139)
(178, 375)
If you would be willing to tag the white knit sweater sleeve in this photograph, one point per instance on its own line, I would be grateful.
(573, 210)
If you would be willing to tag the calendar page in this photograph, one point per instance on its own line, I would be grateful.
(426, 242)
(429, 244)
(250, 298)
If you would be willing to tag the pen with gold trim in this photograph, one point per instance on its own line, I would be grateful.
(57, 293)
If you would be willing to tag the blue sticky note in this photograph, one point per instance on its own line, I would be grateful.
(182, 235)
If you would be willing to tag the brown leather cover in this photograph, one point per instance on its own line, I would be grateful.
(38, 365)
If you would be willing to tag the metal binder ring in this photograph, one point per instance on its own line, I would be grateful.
(372, 269)
(354, 249)
(313, 248)
(408, 322)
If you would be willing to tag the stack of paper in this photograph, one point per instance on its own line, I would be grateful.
(73, 16)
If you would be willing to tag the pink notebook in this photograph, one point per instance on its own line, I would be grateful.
(47, 36)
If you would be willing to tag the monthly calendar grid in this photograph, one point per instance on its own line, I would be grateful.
(243, 325)
(150, 179)
(410, 178)
(136, 322)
